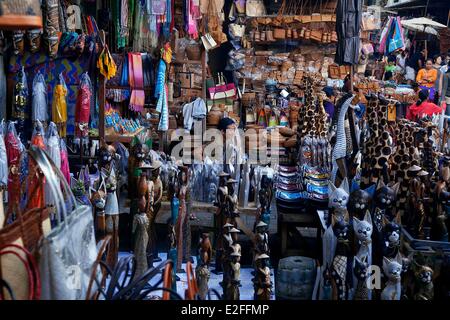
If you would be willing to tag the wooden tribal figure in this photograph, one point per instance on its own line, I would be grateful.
(392, 268)
(98, 200)
(202, 272)
(157, 191)
(182, 221)
(219, 219)
(262, 282)
(112, 213)
(140, 235)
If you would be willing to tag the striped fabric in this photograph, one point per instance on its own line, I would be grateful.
(163, 108)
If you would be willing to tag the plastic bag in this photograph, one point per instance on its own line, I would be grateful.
(83, 105)
(39, 110)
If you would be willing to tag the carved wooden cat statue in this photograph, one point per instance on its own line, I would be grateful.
(338, 197)
(424, 289)
(393, 270)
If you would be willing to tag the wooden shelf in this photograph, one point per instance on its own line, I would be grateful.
(187, 62)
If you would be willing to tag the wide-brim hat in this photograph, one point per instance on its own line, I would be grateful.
(234, 230)
(231, 181)
(156, 164)
(224, 174)
(423, 173)
(228, 225)
(261, 224)
(235, 254)
(414, 168)
(262, 256)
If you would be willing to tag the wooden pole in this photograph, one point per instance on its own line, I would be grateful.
(102, 93)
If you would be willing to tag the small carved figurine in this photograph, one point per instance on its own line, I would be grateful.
(338, 197)
(391, 231)
(202, 271)
(361, 271)
(219, 219)
(424, 283)
(342, 259)
(393, 270)
(140, 231)
(98, 200)
(262, 281)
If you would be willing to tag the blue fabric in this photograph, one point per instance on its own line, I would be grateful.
(160, 78)
(394, 39)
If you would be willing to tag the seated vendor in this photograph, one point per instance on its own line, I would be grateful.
(422, 107)
(328, 104)
(427, 77)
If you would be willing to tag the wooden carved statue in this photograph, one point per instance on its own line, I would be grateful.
(360, 201)
(424, 289)
(219, 219)
(342, 260)
(172, 234)
(202, 271)
(231, 263)
(391, 234)
(231, 211)
(385, 199)
(98, 200)
(392, 268)
(442, 202)
(338, 197)
(261, 239)
(363, 232)
(182, 222)
(156, 205)
(140, 235)
(106, 163)
(262, 282)
(361, 271)
(416, 218)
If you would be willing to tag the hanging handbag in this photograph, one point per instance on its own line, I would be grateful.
(159, 7)
(367, 48)
(237, 30)
(69, 251)
(18, 241)
(222, 90)
(255, 8)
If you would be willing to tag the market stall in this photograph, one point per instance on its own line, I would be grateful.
(180, 149)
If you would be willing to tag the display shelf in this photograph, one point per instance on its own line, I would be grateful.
(123, 138)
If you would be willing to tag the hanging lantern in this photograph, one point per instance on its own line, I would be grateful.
(20, 14)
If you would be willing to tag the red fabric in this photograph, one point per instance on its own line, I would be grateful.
(426, 108)
(38, 199)
(13, 156)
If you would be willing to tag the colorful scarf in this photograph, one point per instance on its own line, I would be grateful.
(35, 184)
(136, 80)
(13, 152)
